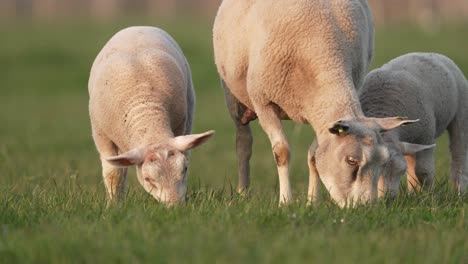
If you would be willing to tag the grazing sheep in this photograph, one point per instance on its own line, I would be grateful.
(429, 87)
(141, 107)
(302, 60)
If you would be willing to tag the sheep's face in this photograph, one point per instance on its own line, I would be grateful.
(389, 180)
(396, 166)
(351, 156)
(162, 168)
(163, 174)
(350, 162)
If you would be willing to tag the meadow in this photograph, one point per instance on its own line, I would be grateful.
(52, 199)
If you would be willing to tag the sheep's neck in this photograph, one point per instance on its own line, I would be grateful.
(150, 129)
(332, 103)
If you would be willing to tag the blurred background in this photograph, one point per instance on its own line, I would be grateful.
(47, 48)
(422, 12)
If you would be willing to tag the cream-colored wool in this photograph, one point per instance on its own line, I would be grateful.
(429, 87)
(302, 60)
(141, 108)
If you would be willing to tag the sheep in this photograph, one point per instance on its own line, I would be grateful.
(141, 104)
(429, 87)
(303, 60)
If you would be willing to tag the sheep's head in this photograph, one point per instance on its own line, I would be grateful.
(396, 166)
(351, 156)
(162, 168)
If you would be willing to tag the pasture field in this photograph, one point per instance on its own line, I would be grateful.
(52, 199)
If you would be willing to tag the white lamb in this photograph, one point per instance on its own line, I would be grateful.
(429, 87)
(303, 60)
(141, 107)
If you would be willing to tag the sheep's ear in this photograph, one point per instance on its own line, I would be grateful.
(390, 123)
(411, 149)
(184, 143)
(130, 158)
(339, 128)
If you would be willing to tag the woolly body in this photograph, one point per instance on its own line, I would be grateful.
(141, 89)
(141, 107)
(429, 87)
(305, 52)
(301, 60)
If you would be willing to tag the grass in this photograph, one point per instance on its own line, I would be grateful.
(52, 200)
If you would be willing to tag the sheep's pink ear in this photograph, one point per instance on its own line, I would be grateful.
(389, 123)
(130, 158)
(184, 143)
(411, 149)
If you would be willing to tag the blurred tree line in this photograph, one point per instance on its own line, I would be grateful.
(423, 12)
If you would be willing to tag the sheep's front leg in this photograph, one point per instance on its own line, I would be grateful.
(314, 179)
(420, 170)
(114, 178)
(244, 139)
(271, 124)
(411, 179)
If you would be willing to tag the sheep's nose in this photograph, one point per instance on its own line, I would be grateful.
(174, 200)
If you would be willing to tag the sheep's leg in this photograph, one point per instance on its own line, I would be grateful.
(271, 124)
(114, 178)
(244, 153)
(420, 170)
(459, 153)
(411, 179)
(383, 185)
(244, 139)
(314, 179)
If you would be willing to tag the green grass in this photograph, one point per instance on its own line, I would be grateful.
(52, 200)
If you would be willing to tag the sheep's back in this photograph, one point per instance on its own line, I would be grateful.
(139, 88)
(415, 85)
(292, 42)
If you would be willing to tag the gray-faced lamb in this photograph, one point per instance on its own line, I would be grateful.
(431, 88)
(141, 104)
(303, 60)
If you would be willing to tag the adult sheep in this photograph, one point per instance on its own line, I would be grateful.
(429, 87)
(302, 60)
(141, 104)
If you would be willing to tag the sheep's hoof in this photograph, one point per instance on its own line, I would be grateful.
(285, 202)
(243, 192)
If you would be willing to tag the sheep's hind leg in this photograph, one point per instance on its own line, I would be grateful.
(459, 153)
(114, 177)
(244, 139)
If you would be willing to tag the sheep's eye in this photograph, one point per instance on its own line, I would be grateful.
(170, 153)
(352, 161)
